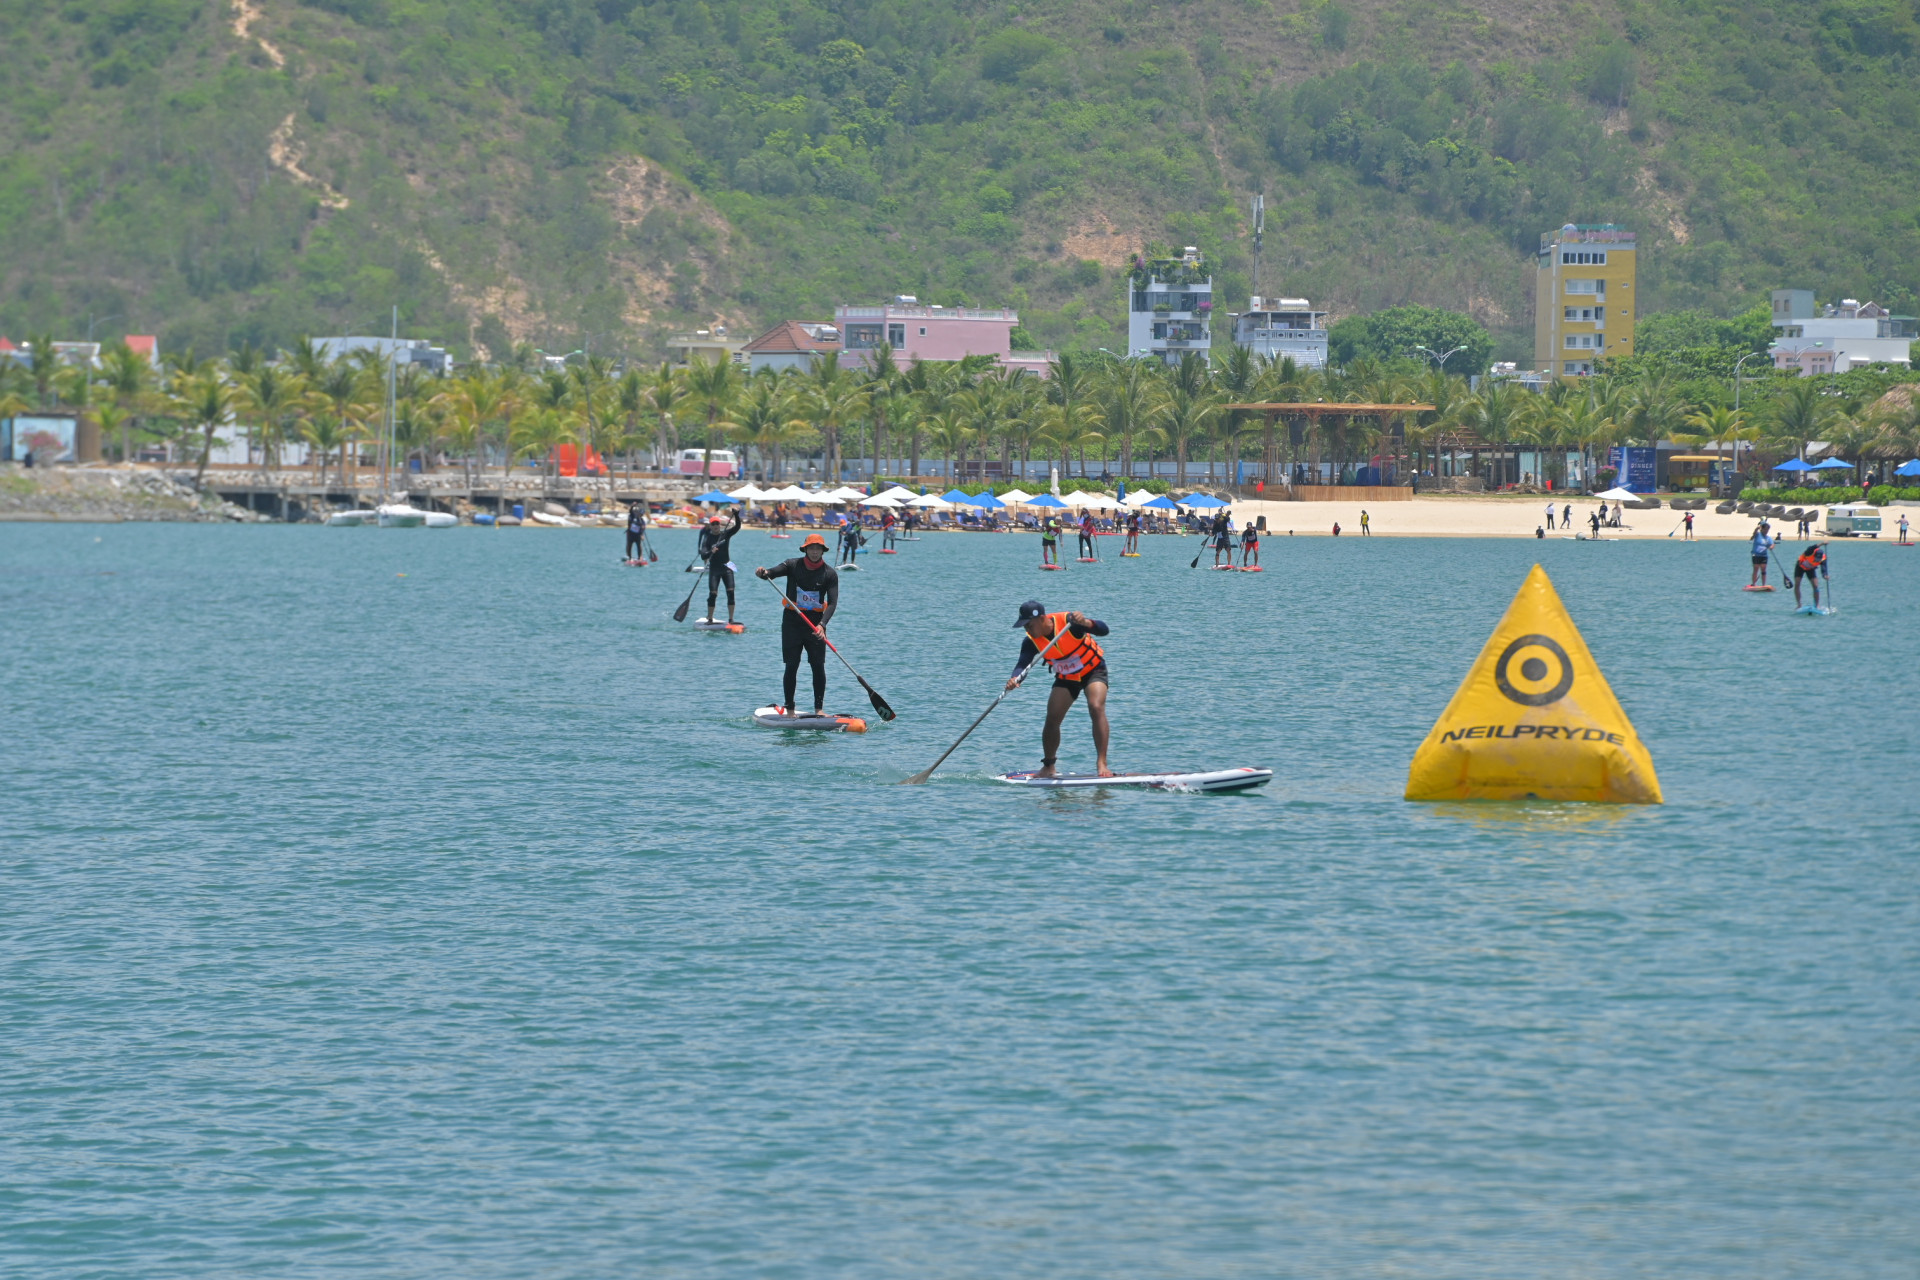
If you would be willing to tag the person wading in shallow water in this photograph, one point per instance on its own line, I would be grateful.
(1078, 665)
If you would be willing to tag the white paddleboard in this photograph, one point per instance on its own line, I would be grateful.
(1813, 610)
(1217, 780)
(775, 718)
(718, 624)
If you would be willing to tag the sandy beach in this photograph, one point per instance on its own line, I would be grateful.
(1490, 516)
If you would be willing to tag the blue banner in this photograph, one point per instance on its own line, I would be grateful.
(1635, 465)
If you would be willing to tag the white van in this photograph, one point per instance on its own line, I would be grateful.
(1853, 520)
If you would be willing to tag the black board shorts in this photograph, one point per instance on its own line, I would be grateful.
(1096, 676)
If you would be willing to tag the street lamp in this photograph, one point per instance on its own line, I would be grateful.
(102, 320)
(1734, 466)
(1438, 359)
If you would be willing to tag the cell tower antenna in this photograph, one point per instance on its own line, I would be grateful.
(1259, 230)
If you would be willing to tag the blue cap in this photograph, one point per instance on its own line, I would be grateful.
(1029, 611)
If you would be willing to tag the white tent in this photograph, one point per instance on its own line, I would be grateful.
(1617, 494)
(846, 494)
(899, 492)
(1013, 497)
(824, 499)
(1090, 501)
(1140, 497)
(748, 493)
(881, 500)
(931, 502)
(791, 493)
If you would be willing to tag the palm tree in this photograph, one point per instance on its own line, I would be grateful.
(1126, 402)
(834, 399)
(127, 377)
(204, 402)
(538, 432)
(883, 379)
(1719, 426)
(949, 432)
(712, 387)
(43, 363)
(270, 398)
(324, 431)
(75, 388)
(1801, 413)
(767, 418)
(1491, 415)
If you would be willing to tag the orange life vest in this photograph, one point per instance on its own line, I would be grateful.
(1810, 560)
(1070, 656)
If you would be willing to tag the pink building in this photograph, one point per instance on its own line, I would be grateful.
(917, 332)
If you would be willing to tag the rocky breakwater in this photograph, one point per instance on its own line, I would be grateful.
(108, 494)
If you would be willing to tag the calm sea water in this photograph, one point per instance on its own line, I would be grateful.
(421, 903)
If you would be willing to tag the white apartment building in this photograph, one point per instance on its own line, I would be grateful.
(1276, 327)
(1171, 309)
(1838, 337)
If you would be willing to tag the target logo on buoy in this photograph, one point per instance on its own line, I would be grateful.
(1534, 671)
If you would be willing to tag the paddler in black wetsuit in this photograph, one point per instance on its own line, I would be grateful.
(813, 586)
(850, 539)
(716, 548)
(1078, 663)
(1222, 539)
(636, 531)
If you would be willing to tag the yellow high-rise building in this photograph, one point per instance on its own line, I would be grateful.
(1582, 298)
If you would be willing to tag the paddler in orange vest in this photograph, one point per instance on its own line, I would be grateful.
(1066, 642)
(1811, 564)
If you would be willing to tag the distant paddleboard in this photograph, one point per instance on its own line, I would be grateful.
(1226, 568)
(638, 564)
(718, 624)
(779, 537)
(1217, 780)
(776, 718)
(1756, 588)
(1089, 559)
(1130, 555)
(1813, 610)
(1053, 566)
(888, 551)
(848, 567)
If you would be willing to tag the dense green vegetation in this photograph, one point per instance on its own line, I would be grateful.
(596, 173)
(1092, 415)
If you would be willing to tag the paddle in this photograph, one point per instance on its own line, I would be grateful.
(1675, 529)
(927, 773)
(680, 614)
(653, 557)
(873, 695)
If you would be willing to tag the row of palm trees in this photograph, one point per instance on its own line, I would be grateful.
(1117, 413)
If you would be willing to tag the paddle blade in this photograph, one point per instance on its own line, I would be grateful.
(879, 703)
(680, 614)
(917, 778)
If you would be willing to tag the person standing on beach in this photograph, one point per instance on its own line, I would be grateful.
(1593, 521)
(636, 531)
(1550, 509)
(1760, 549)
(716, 548)
(1566, 516)
(1366, 524)
(813, 588)
(1079, 665)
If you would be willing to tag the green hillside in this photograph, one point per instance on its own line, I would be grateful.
(602, 172)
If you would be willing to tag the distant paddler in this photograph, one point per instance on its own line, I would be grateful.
(1078, 664)
(813, 588)
(636, 532)
(1222, 539)
(716, 548)
(1133, 534)
(1762, 545)
(1811, 564)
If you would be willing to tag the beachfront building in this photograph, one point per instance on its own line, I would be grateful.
(1583, 298)
(793, 344)
(1170, 308)
(1846, 335)
(1277, 327)
(713, 345)
(918, 331)
(402, 351)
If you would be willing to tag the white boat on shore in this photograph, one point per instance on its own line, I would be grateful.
(400, 515)
(351, 519)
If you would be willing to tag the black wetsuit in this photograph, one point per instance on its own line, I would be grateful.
(636, 534)
(816, 591)
(716, 548)
(1086, 536)
(849, 540)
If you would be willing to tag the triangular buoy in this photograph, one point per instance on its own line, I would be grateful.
(1534, 719)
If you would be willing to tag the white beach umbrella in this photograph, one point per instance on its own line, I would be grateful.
(847, 494)
(1014, 496)
(1617, 494)
(899, 493)
(930, 502)
(881, 500)
(824, 499)
(788, 493)
(748, 493)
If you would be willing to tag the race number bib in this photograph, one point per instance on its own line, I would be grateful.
(808, 600)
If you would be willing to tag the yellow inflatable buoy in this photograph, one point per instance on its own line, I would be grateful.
(1534, 719)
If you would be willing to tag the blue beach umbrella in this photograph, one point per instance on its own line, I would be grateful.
(714, 495)
(1833, 464)
(1908, 468)
(1048, 500)
(1162, 503)
(988, 502)
(956, 495)
(1795, 464)
(1201, 501)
